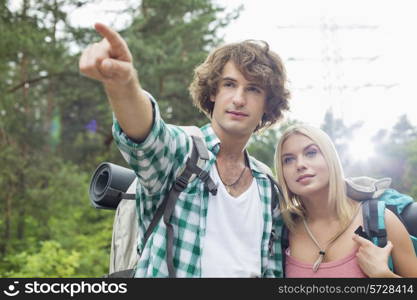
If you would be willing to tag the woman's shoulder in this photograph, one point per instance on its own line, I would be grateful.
(396, 230)
(403, 253)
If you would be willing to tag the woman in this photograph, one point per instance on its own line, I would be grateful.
(321, 219)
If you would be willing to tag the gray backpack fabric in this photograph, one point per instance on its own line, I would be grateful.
(123, 253)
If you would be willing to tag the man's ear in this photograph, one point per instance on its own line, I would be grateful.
(212, 98)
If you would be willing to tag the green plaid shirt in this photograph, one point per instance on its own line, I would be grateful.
(157, 161)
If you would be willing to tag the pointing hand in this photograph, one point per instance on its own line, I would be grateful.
(109, 60)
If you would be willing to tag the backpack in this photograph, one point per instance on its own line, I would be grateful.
(381, 197)
(113, 186)
(376, 196)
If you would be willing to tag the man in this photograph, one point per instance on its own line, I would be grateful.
(241, 88)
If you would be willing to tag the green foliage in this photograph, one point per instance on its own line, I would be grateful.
(168, 46)
(403, 131)
(48, 227)
(50, 261)
(57, 205)
(263, 145)
(410, 174)
(395, 155)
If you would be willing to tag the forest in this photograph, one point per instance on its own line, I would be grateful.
(55, 126)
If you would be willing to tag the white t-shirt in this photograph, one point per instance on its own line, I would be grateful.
(232, 243)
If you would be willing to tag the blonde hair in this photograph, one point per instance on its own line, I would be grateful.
(292, 208)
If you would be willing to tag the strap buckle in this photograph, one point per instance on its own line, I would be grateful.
(208, 182)
(180, 184)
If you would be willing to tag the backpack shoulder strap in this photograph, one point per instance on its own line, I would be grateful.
(374, 221)
(285, 243)
(199, 152)
(276, 195)
(276, 192)
(194, 132)
(374, 213)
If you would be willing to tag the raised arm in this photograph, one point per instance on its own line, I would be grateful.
(110, 62)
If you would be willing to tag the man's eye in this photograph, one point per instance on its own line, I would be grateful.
(254, 89)
(228, 84)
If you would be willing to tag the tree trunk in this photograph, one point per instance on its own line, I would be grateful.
(25, 91)
(7, 223)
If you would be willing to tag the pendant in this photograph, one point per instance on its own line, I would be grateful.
(317, 263)
(228, 189)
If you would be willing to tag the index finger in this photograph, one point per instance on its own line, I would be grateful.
(114, 39)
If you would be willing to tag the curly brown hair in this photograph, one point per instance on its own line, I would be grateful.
(257, 63)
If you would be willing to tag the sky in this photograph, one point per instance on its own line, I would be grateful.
(370, 51)
(355, 57)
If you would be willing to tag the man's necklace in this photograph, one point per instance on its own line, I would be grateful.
(228, 186)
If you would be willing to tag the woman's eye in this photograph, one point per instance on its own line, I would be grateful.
(311, 153)
(287, 160)
(229, 84)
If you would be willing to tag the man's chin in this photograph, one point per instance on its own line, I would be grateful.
(239, 131)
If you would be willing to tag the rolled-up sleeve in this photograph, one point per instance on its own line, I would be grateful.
(157, 159)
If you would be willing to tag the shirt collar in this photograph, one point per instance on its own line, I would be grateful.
(211, 139)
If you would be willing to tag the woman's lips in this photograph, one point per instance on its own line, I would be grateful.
(304, 178)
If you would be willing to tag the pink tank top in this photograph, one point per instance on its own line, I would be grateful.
(346, 268)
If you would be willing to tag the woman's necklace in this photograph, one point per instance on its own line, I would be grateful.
(228, 186)
(322, 252)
